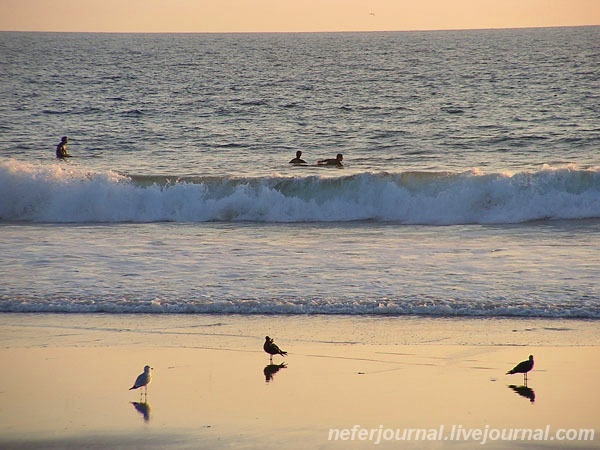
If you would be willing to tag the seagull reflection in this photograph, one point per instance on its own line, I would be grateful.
(271, 369)
(524, 391)
(143, 408)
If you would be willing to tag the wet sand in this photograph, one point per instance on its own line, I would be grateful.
(65, 381)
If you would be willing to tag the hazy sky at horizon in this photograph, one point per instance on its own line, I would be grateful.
(290, 15)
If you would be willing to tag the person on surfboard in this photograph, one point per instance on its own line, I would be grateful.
(61, 148)
(298, 159)
(337, 161)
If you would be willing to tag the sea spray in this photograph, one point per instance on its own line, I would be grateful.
(60, 193)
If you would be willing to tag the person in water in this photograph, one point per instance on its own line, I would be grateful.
(298, 159)
(61, 148)
(331, 161)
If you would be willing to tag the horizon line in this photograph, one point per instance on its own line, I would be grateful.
(306, 32)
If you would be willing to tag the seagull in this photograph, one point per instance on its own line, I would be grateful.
(523, 367)
(271, 348)
(143, 379)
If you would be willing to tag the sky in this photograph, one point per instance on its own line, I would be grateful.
(205, 16)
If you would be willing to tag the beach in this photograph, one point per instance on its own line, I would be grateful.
(460, 236)
(66, 378)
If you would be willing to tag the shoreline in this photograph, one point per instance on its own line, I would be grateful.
(67, 382)
(108, 328)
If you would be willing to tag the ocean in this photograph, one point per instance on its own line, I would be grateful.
(470, 186)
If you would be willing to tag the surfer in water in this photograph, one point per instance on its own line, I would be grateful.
(298, 159)
(337, 161)
(61, 148)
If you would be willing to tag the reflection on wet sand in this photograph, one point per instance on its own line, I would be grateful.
(271, 369)
(143, 408)
(524, 391)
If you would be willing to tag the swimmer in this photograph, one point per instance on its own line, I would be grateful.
(298, 159)
(331, 161)
(61, 148)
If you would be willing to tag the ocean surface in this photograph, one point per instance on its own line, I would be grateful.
(471, 184)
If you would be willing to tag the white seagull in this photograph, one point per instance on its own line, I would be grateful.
(143, 379)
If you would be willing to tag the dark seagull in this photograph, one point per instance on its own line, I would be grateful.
(271, 348)
(523, 367)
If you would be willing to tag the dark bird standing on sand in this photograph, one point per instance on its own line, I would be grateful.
(271, 348)
(523, 367)
(143, 380)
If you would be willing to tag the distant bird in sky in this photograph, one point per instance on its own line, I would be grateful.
(143, 379)
(272, 349)
(523, 367)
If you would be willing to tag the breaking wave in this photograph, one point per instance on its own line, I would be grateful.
(63, 193)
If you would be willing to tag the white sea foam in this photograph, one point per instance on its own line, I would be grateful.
(326, 306)
(62, 193)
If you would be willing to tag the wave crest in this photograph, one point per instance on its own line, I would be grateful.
(67, 193)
